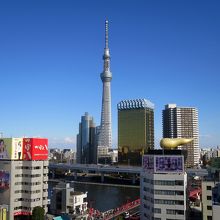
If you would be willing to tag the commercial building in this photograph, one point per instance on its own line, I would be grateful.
(23, 175)
(86, 141)
(182, 122)
(65, 200)
(163, 186)
(105, 129)
(135, 130)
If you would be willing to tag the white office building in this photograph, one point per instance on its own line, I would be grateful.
(163, 187)
(23, 176)
(24, 185)
(66, 200)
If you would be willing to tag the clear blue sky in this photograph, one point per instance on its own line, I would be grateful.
(51, 60)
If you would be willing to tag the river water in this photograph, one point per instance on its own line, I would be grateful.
(105, 197)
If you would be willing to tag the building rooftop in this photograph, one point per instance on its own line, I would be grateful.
(76, 193)
(135, 104)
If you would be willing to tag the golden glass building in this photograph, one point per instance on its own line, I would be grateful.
(135, 130)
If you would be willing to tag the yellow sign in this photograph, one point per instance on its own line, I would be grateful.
(4, 214)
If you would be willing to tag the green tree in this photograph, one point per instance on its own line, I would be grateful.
(38, 213)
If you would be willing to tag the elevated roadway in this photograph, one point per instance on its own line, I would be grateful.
(107, 169)
(96, 168)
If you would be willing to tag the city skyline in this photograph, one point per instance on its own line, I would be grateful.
(51, 59)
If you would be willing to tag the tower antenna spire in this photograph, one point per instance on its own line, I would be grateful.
(106, 34)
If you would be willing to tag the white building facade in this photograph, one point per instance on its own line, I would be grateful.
(27, 186)
(66, 200)
(163, 188)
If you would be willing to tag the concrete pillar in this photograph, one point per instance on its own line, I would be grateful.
(133, 179)
(75, 175)
(102, 177)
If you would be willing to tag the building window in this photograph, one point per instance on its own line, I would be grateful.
(209, 207)
(208, 188)
(175, 212)
(156, 210)
(168, 202)
(209, 217)
(179, 183)
(209, 198)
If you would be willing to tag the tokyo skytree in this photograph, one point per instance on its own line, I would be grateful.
(105, 132)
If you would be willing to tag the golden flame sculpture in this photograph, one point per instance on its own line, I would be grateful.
(173, 143)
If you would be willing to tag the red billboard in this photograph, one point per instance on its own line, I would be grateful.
(22, 213)
(35, 149)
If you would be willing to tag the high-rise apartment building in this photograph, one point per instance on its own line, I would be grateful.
(182, 122)
(23, 176)
(135, 130)
(86, 141)
(105, 129)
(163, 185)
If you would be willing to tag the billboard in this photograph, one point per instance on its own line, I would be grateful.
(35, 149)
(22, 213)
(169, 164)
(148, 163)
(4, 180)
(11, 148)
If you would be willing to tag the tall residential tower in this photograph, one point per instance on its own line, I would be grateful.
(105, 130)
(182, 122)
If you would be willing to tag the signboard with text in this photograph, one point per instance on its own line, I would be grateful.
(35, 149)
(148, 163)
(169, 164)
(163, 163)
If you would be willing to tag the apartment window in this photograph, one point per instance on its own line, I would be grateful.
(179, 182)
(171, 211)
(208, 188)
(209, 207)
(18, 175)
(175, 212)
(164, 182)
(168, 202)
(156, 210)
(168, 192)
(209, 217)
(209, 198)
